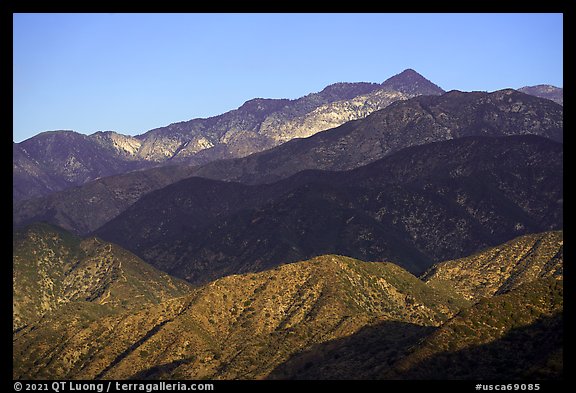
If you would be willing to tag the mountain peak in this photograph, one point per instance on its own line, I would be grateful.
(409, 81)
(408, 72)
(549, 92)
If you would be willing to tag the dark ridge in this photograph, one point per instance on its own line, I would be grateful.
(416, 207)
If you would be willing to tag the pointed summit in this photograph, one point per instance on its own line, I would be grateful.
(409, 81)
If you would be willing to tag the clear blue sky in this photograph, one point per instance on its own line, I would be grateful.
(134, 72)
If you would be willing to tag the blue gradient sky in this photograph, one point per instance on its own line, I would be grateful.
(134, 72)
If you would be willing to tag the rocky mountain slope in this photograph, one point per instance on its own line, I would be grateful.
(549, 92)
(52, 269)
(83, 209)
(52, 161)
(419, 206)
(503, 268)
(238, 327)
(310, 319)
(263, 123)
(513, 336)
(29, 178)
(518, 335)
(417, 121)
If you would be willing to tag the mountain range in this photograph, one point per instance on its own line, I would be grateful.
(420, 120)
(311, 318)
(417, 121)
(55, 160)
(418, 206)
(366, 231)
